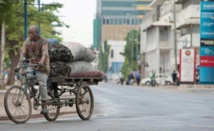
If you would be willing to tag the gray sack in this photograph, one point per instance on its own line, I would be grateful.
(81, 67)
(80, 52)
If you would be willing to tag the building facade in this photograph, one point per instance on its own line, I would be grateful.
(161, 33)
(115, 18)
(116, 60)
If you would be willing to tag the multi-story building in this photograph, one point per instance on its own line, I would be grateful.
(158, 33)
(188, 23)
(115, 18)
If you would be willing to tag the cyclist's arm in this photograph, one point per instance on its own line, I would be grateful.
(23, 53)
(44, 53)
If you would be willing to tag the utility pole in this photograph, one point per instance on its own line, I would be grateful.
(39, 28)
(131, 48)
(25, 19)
(175, 35)
(2, 54)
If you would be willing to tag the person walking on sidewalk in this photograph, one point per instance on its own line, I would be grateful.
(174, 77)
(137, 76)
(121, 78)
(37, 47)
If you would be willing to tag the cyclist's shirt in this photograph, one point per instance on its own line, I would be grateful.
(37, 50)
(153, 76)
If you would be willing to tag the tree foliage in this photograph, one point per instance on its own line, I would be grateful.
(131, 51)
(103, 57)
(13, 11)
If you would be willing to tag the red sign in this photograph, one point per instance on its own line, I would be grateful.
(207, 61)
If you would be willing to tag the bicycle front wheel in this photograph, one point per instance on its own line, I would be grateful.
(17, 105)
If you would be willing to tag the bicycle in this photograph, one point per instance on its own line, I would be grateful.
(18, 104)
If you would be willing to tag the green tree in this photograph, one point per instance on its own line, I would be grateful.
(103, 57)
(131, 51)
(15, 27)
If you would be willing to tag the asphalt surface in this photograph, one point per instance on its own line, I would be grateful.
(136, 108)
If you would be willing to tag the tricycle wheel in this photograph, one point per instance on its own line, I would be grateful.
(84, 102)
(17, 104)
(53, 109)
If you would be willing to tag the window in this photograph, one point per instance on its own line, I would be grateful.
(104, 21)
(107, 21)
(128, 21)
(112, 53)
(187, 3)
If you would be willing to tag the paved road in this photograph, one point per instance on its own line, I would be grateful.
(137, 108)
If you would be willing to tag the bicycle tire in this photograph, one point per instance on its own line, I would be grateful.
(52, 115)
(83, 113)
(53, 109)
(12, 92)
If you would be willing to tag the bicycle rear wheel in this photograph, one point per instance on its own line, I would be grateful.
(53, 107)
(84, 102)
(53, 112)
(17, 105)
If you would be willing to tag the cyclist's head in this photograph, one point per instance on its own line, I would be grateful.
(33, 32)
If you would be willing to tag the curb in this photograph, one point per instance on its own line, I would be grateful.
(3, 118)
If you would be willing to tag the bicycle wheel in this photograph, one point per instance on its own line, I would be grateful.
(53, 109)
(84, 102)
(17, 105)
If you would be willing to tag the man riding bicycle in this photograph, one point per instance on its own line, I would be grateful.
(36, 48)
(153, 80)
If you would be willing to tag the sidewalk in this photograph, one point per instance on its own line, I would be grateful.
(35, 113)
(170, 86)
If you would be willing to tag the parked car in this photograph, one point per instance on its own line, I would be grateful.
(159, 78)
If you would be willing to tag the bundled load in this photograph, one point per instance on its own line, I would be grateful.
(59, 52)
(59, 69)
(81, 66)
(72, 60)
(79, 52)
(73, 52)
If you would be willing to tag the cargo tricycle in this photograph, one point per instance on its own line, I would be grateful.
(18, 104)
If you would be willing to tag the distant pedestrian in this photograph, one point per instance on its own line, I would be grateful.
(197, 77)
(130, 80)
(121, 78)
(174, 77)
(137, 76)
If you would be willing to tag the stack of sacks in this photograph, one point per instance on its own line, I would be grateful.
(72, 60)
(60, 57)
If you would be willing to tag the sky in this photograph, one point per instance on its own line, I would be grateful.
(79, 15)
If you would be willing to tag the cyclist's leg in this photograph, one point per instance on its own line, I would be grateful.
(42, 79)
(30, 72)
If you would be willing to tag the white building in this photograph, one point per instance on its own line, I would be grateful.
(157, 33)
(116, 60)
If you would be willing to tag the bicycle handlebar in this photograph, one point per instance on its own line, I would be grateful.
(35, 66)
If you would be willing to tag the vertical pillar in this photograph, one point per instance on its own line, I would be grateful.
(25, 19)
(39, 30)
